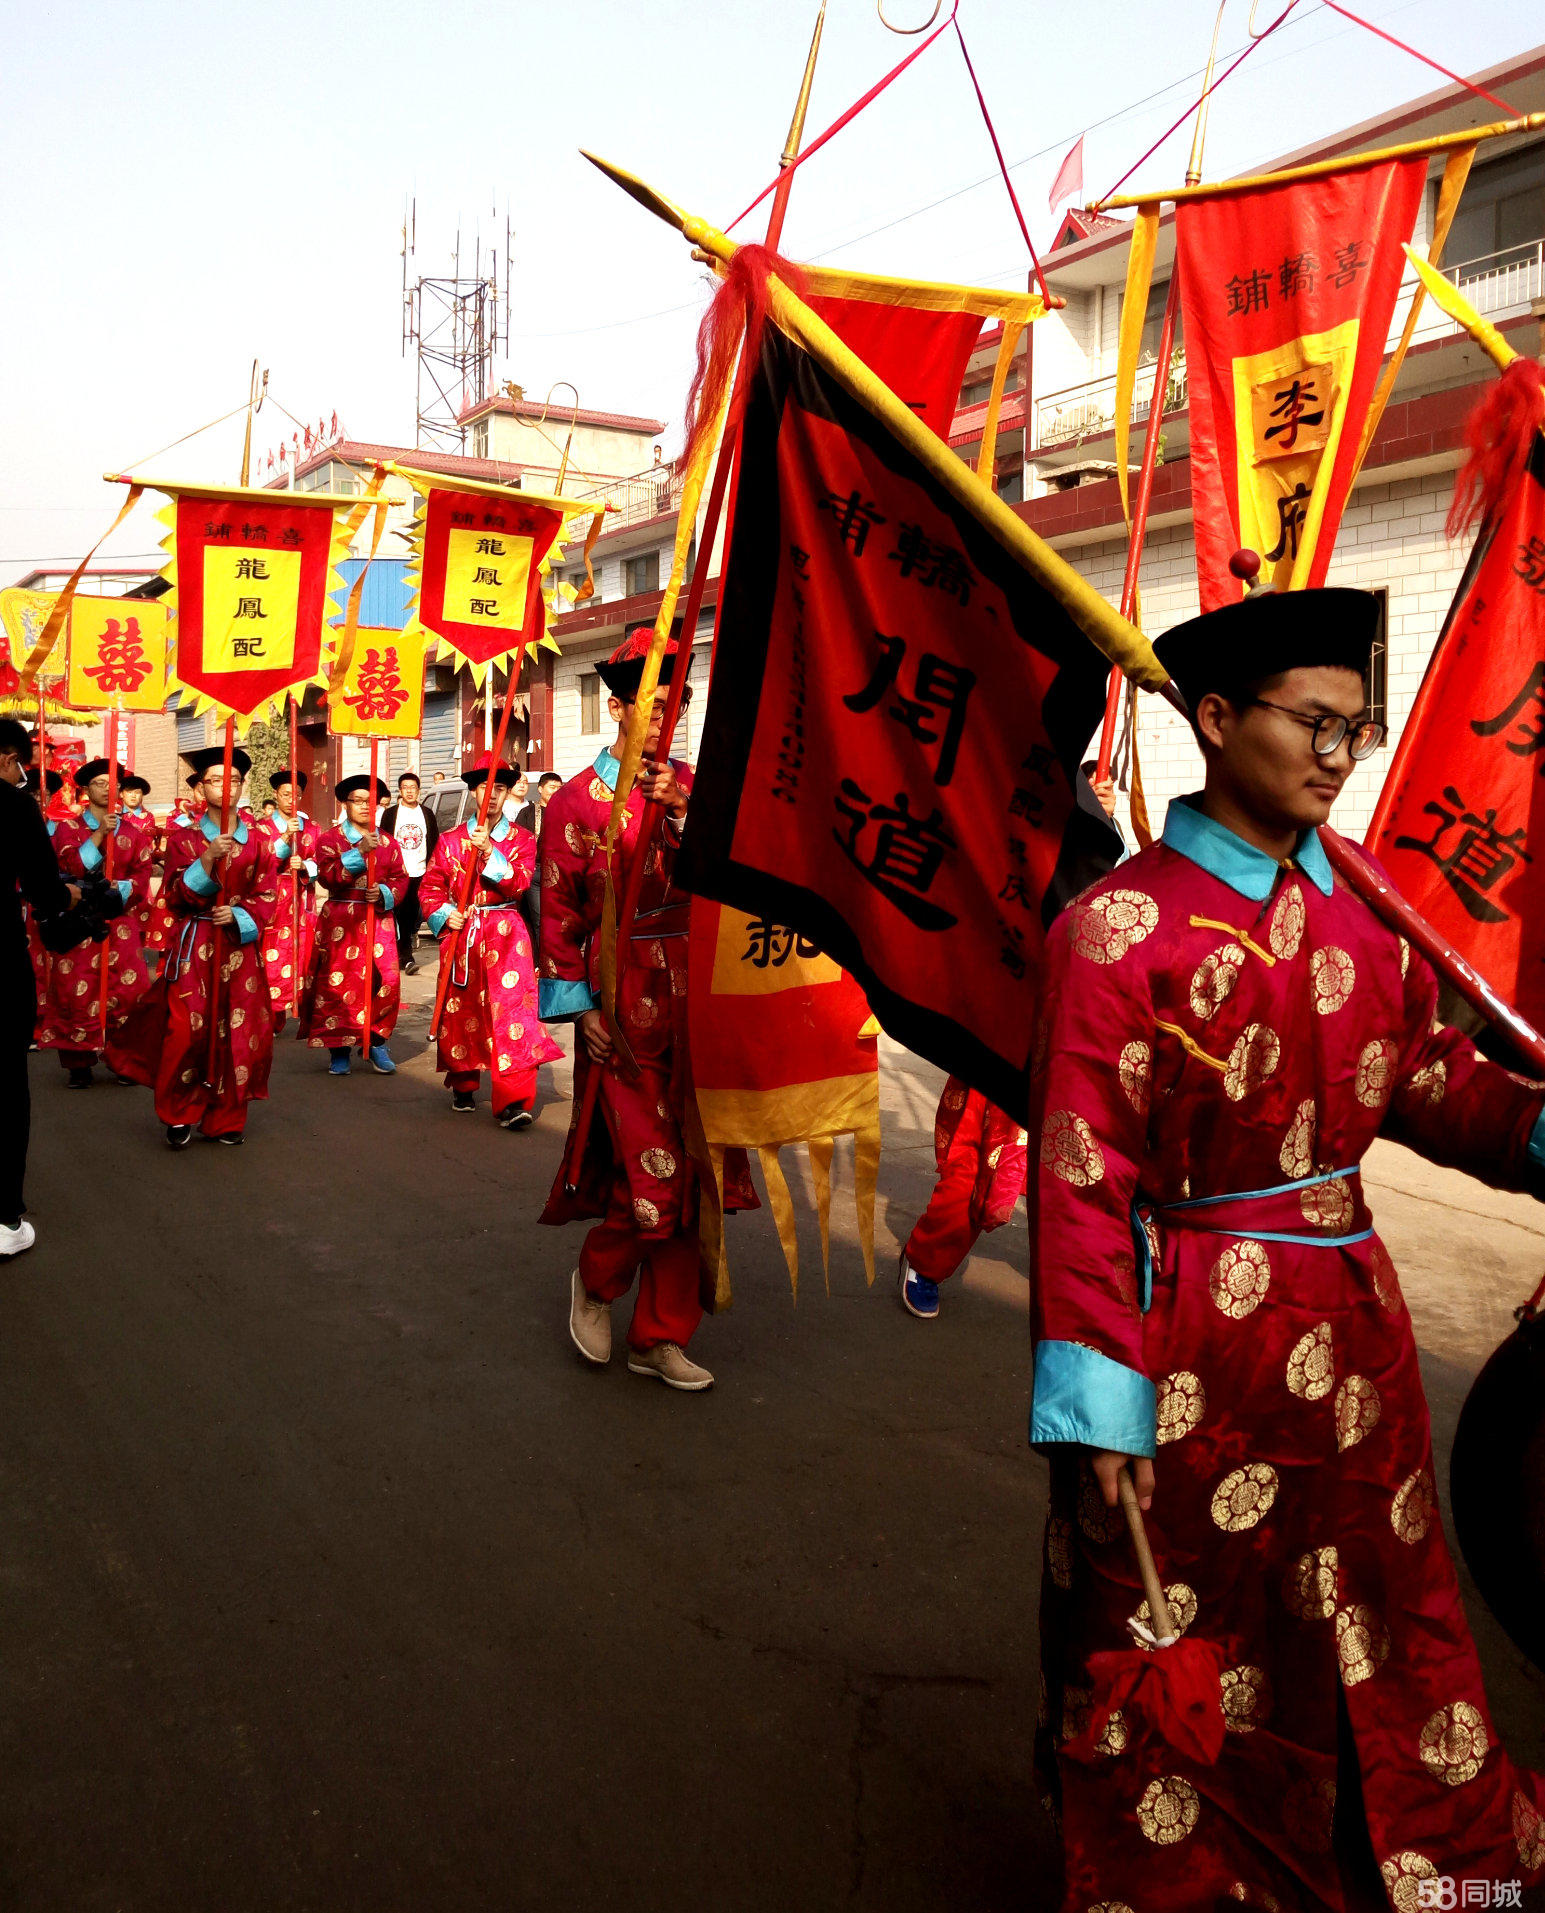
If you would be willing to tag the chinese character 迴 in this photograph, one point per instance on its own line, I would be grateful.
(490, 547)
(1480, 859)
(1531, 730)
(908, 852)
(939, 686)
(774, 943)
(854, 515)
(251, 568)
(1350, 261)
(1291, 407)
(381, 692)
(250, 608)
(1530, 564)
(939, 566)
(1297, 274)
(1292, 511)
(1248, 294)
(123, 666)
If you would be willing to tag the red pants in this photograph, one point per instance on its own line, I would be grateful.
(517, 1086)
(667, 1309)
(946, 1233)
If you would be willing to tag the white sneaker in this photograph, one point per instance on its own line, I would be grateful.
(13, 1241)
(590, 1323)
(670, 1365)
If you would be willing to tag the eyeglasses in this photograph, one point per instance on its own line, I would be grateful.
(659, 703)
(1332, 731)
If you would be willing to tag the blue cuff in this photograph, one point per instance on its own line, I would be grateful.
(90, 855)
(311, 869)
(126, 891)
(1082, 1396)
(498, 866)
(244, 924)
(1536, 1166)
(436, 919)
(559, 1001)
(199, 881)
(354, 862)
(388, 901)
(283, 849)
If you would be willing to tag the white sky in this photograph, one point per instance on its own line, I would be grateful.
(190, 187)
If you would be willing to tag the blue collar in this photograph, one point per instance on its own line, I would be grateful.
(351, 831)
(1234, 862)
(90, 811)
(606, 768)
(211, 829)
(502, 827)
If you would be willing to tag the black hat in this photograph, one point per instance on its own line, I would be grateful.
(505, 775)
(212, 757)
(351, 786)
(96, 767)
(1266, 633)
(135, 782)
(52, 781)
(623, 671)
(278, 778)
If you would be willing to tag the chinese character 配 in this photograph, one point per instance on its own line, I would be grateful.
(482, 607)
(907, 853)
(1481, 857)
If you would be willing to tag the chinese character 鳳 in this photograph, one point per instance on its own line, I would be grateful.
(490, 547)
(773, 944)
(1292, 510)
(905, 856)
(1247, 294)
(939, 687)
(251, 568)
(1291, 407)
(1530, 563)
(1481, 856)
(938, 566)
(250, 608)
(486, 575)
(1297, 274)
(854, 515)
(1531, 730)
(1350, 261)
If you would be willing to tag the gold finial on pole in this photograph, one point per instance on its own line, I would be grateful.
(1199, 136)
(802, 104)
(256, 393)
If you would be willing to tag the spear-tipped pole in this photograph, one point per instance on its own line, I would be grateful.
(295, 858)
(370, 913)
(110, 735)
(216, 963)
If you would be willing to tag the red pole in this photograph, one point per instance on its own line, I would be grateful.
(110, 737)
(469, 867)
(1140, 511)
(370, 913)
(295, 847)
(216, 966)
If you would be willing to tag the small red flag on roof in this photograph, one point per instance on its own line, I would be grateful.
(1069, 182)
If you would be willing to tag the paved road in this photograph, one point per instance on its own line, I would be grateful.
(329, 1578)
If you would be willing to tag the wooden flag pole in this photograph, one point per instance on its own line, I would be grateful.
(295, 847)
(110, 736)
(216, 965)
(649, 829)
(370, 912)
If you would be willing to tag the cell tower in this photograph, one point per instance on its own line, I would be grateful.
(458, 326)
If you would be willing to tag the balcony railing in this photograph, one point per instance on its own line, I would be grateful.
(1088, 410)
(1497, 284)
(647, 495)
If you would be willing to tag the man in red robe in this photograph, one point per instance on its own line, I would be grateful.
(290, 937)
(354, 963)
(220, 887)
(99, 843)
(1227, 1029)
(490, 1019)
(637, 1175)
(980, 1155)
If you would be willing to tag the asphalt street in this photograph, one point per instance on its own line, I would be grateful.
(330, 1578)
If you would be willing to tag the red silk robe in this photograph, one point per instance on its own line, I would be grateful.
(171, 1042)
(332, 1012)
(74, 1021)
(490, 1020)
(1224, 1039)
(637, 1170)
(980, 1154)
(287, 962)
(155, 921)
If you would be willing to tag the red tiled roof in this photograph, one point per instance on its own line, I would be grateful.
(591, 619)
(353, 451)
(559, 417)
(969, 419)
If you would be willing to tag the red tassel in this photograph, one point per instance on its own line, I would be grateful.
(1500, 432)
(1173, 1694)
(739, 309)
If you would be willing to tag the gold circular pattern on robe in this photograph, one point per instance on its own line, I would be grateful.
(335, 977)
(1168, 1810)
(506, 1062)
(549, 966)
(1376, 1072)
(1414, 1507)
(1334, 975)
(645, 1214)
(458, 1052)
(288, 970)
(645, 1013)
(1214, 979)
(1255, 1896)
(995, 1156)
(1309, 1586)
(510, 979)
(1240, 1278)
(1327, 1206)
(1403, 1874)
(600, 793)
(552, 876)
(1110, 1906)
(1059, 1550)
(1098, 1522)
(1135, 1072)
(1362, 1643)
(1244, 1497)
(1311, 1369)
(1247, 1698)
(516, 1032)
(1181, 1600)
(238, 1017)
(1431, 1082)
(188, 1075)
(1182, 1402)
(1308, 1813)
(1297, 1154)
(1114, 1736)
(1107, 926)
(337, 936)
(242, 1073)
(1287, 924)
(352, 952)
(195, 1020)
(1454, 1743)
(1252, 1061)
(1069, 1150)
(474, 1023)
(1357, 1411)
(574, 837)
(660, 1163)
(663, 1111)
(1528, 1832)
(1386, 1285)
(954, 1097)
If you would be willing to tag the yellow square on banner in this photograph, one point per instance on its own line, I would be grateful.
(251, 604)
(486, 574)
(755, 957)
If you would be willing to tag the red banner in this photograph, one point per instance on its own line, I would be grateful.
(1465, 795)
(480, 587)
(1287, 293)
(251, 586)
(921, 355)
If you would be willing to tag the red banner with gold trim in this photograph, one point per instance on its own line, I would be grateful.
(479, 586)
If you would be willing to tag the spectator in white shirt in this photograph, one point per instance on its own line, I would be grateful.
(415, 830)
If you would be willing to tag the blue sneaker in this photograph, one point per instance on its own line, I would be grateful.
(919, 1296)
(381, 1060)
(339, 1066)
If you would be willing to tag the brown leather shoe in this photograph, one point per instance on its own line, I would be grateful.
(590, 1323)
(667, 1363)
